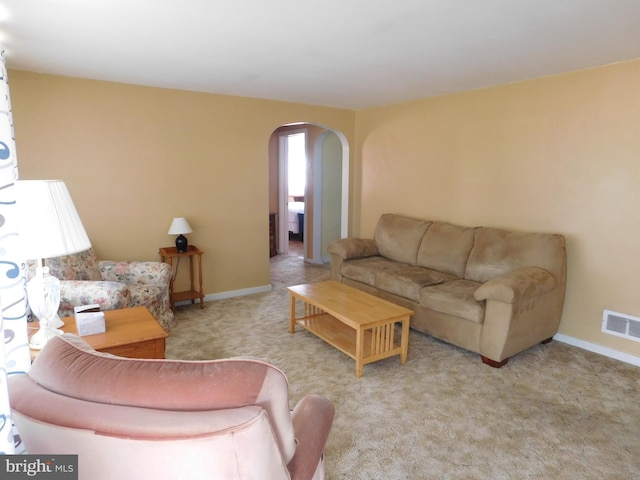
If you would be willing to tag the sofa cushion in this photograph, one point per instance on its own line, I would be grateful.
(393, 277)
(446, 247)
(109, 295)
(454, 298)
(399, 238)
(407, 281)
(146, 296)
(364, 270)
(496, 252)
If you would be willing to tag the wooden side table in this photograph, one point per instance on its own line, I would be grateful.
(131, 332)
(167, 254)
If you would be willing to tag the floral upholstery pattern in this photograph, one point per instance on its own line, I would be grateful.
(109, 295)
(84, 280)
(80, 266)
(148, 283)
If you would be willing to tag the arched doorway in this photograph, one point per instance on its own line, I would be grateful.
(326, 198)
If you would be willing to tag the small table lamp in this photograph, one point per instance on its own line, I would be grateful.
(48, 226)
(179, 226)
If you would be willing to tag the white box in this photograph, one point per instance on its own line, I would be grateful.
(89, 320)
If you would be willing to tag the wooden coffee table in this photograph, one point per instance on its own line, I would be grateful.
(131, 332)
(358, 324)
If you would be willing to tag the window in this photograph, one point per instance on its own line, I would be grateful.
(297, 162)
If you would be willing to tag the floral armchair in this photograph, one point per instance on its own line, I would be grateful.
(85, 280)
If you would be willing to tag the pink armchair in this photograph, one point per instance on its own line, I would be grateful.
(86, 280)
(167, 419)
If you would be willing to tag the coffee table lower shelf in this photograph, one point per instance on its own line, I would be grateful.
(377, 343)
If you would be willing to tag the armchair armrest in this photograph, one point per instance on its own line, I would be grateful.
(136, 273)
(520, 283)
(109, 295)
(312, 418)
(348, 248)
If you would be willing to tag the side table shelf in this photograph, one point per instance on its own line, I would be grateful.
(167, 254)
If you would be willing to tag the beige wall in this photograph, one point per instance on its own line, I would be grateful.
(135, 157)
(558, 154)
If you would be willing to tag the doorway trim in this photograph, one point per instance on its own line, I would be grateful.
(317, 194)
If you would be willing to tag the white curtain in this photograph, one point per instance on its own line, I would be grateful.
(14, 349)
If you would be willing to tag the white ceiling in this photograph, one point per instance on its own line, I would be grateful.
(341, 53)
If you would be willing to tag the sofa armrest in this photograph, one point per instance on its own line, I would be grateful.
(136, 273)
(349, 248)
(312, 418)
(520, 283)
(109, 295)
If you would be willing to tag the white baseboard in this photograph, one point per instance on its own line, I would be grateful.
(237, 293)
(231, 293)
(592, 347)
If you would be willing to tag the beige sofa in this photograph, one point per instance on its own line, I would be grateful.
(494, 292)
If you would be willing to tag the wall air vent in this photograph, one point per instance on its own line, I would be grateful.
(621, 325)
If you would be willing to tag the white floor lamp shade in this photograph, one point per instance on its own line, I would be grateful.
(48, 226)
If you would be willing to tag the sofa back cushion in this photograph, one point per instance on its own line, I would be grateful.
(79, 266)
(398, 238)
(446, 248)
(496, 252)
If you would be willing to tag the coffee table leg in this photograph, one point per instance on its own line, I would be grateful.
(359, 351)
(292, 315)
(404, 341)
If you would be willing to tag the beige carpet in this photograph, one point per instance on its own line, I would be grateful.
(553, 412)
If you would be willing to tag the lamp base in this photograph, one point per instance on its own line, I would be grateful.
(43, 294)
(56, 322)
(39, 339)
(181, 243)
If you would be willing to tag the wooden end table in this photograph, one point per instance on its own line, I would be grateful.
(131, 332)
(167, 254)
(358, 324)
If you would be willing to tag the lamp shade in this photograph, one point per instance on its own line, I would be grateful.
(48, 223)
(179, 225)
